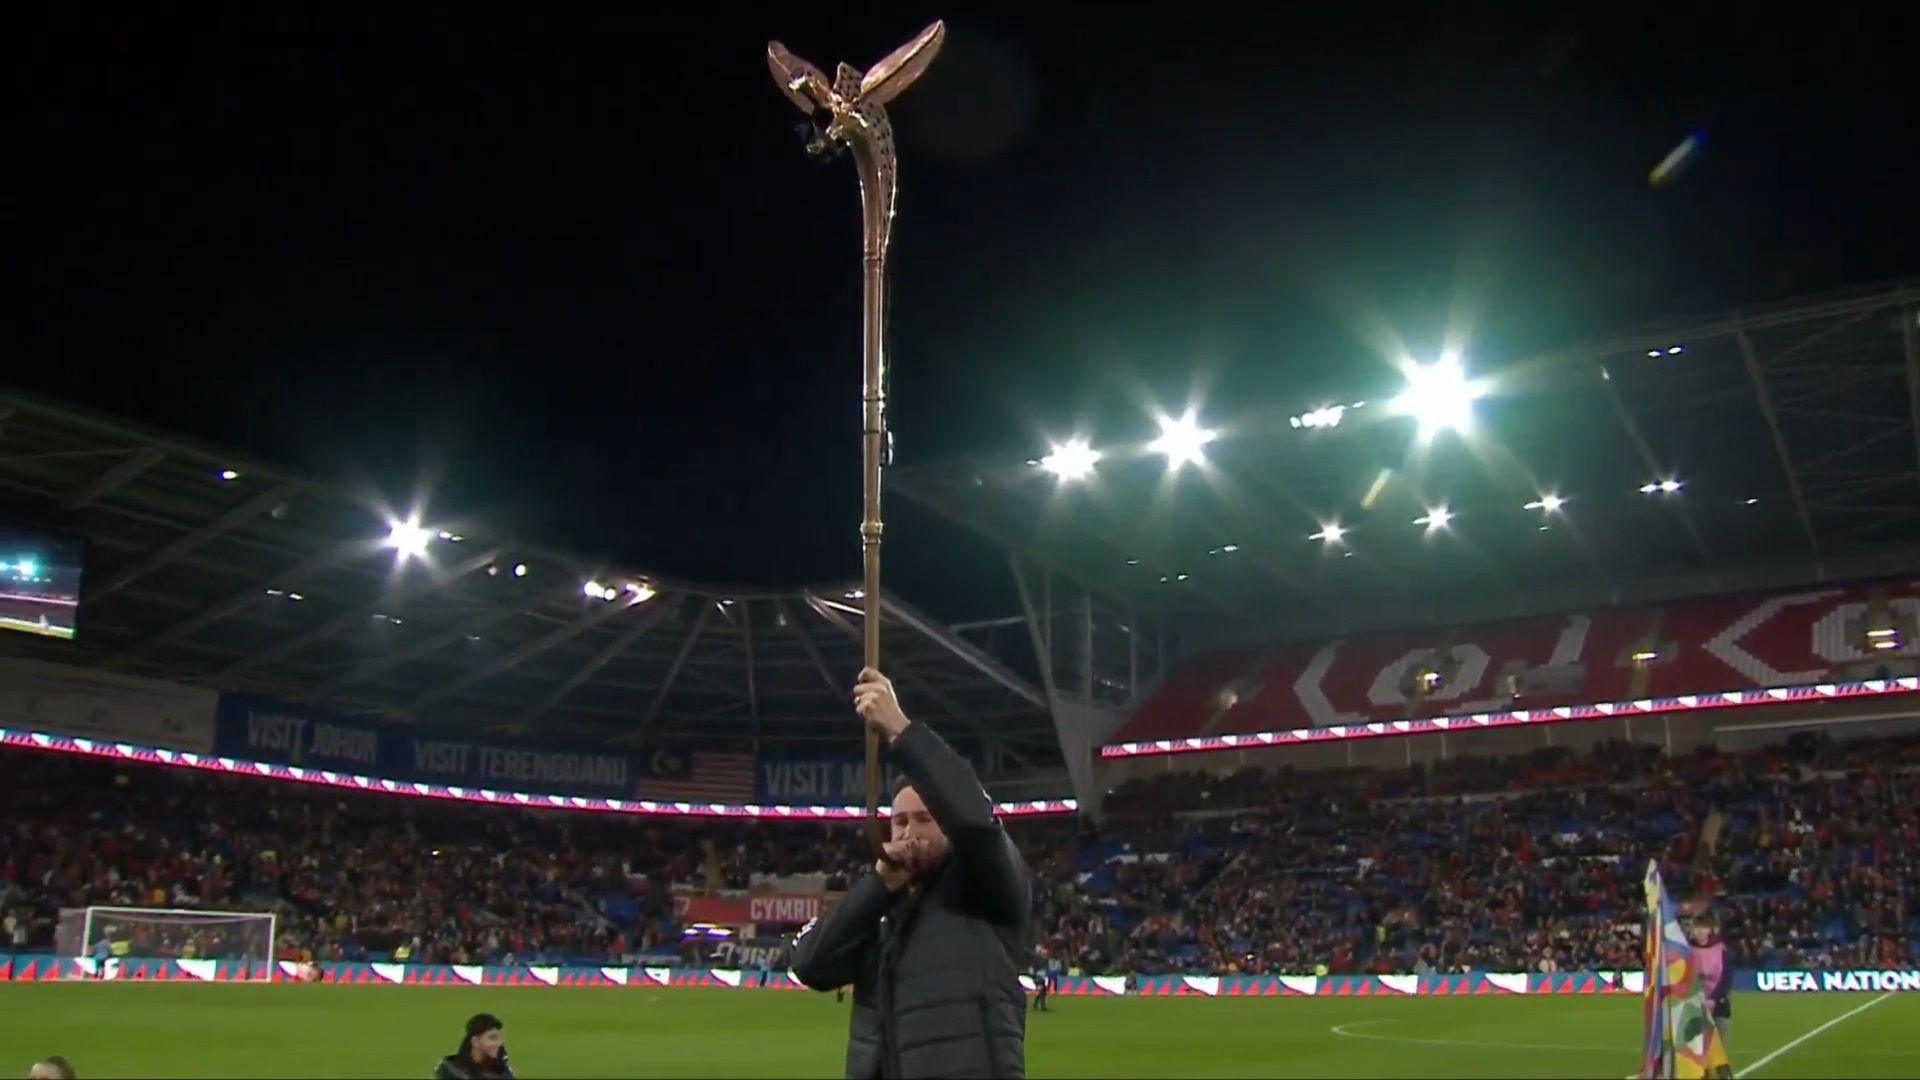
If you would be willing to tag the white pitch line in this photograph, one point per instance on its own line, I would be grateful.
(1848, 1015)
(1341, 1029)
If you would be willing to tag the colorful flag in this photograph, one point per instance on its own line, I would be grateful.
(700, 776)
(1681, 1041)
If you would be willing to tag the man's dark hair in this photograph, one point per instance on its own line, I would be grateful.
(900, 784)
(480, 1023)
(477, 1025)
(62, 1064)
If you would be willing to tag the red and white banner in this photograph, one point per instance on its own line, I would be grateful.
(1690, 647)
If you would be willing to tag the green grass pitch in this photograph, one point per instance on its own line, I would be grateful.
(222, 1030)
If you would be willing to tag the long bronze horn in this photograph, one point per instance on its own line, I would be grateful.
(850, 112)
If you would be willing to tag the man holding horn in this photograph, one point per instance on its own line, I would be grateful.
(933, 939)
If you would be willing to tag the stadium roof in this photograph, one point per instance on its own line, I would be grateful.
(1760, 448)
(210, 567)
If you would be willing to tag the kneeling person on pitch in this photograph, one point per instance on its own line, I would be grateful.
(933, 939)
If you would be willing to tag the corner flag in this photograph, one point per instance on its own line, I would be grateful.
(1681, 1042)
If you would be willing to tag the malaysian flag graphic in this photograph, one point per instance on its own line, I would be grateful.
(697, 776)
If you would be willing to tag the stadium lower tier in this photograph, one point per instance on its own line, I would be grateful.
(1808, 855)
(31, 968)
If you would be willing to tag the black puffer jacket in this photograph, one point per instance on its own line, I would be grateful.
(461, 1066)
(935, 969)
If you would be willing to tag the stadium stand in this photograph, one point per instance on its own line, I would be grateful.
(1704, 645)
(1484, 864)
(358, 878)
(1501, 864)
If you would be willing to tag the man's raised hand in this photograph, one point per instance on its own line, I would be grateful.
(874, 700)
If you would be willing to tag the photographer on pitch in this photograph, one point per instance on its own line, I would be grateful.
(934, 938)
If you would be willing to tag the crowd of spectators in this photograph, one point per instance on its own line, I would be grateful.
(1511, 864)
(353, 876)
(1811, 858)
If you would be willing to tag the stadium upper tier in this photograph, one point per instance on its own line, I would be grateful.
(1778, 650)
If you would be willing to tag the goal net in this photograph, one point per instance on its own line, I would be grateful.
(165, 933)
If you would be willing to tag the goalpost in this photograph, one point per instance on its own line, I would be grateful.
(169, 933)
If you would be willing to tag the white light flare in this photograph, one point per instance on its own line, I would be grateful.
(1071, 460)
(1439, 396)
(1183, 441)
(408, 539)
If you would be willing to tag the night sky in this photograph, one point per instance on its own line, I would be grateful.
(577, 278)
